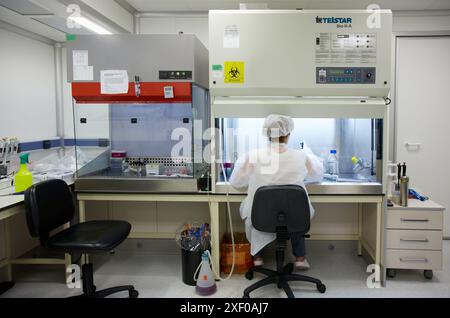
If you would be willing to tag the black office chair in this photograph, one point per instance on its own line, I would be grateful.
(49, 205)
(281, 209)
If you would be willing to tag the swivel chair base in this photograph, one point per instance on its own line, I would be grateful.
(89, 289)
(281, 279)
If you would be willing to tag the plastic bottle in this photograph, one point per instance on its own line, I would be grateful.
(23, 178)
(206, 284)
(333, 163)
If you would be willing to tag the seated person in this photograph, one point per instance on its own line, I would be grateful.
(275, 164)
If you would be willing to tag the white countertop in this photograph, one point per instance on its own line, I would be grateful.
(414, 204)
(10, 200)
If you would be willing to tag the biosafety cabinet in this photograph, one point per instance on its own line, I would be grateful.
(141, 107)
(328, 69)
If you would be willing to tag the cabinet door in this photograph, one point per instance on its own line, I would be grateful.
(423, 116)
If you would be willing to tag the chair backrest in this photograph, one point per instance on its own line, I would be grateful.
(281, 205)
(48, 205)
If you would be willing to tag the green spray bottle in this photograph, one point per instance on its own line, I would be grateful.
(23, 178)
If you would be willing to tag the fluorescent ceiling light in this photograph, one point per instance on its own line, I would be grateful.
(88, 24)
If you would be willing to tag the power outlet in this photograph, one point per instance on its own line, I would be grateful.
(139, 245)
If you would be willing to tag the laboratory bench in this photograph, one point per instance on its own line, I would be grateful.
(369, 232)
(368, 198)
(11, 207)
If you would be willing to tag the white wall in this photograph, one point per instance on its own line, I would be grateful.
(27, 88)
(189, 24)
(198, 24)
(419, 23)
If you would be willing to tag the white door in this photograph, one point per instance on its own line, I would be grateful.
(423, 116)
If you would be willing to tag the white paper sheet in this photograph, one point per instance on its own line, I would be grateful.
(80, 58)
(83, 73)
(114, 82)
(231, 37)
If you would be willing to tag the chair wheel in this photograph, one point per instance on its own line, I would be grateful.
(428, 274)
(321, 288)
(249, 275)
(134, 293)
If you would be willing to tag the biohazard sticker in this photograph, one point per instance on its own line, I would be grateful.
(234, 73)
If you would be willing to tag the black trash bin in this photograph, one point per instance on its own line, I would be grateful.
(189, 263)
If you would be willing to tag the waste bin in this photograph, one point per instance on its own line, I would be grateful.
(189, 263)
(193, 240)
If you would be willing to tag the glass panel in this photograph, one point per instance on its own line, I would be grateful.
(201, 115)
(351, 138)
(136, 140)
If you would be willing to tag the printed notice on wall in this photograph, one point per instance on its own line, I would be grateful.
(231, 37)
(80, 58)
(346, 48)
(114, 82)
(83, 73)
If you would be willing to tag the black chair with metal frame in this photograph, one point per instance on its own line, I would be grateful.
(49, 205)
(281, 209)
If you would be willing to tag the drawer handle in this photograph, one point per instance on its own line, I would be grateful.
(414, 220)
(411, 259)
(414, 240)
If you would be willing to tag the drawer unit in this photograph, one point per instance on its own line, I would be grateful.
(413, 259)
(414, 219)
(414, 239)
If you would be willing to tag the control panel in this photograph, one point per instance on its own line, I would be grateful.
(175, 75)
(345, 75)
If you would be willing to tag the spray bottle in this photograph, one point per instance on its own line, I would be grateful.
(206, 284)
(23, 178)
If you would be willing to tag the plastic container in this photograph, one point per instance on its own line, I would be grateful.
(333, 163)
(243, 258)
(23, 178)
(206, 283)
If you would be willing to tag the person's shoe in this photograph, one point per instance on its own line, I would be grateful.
(258, 262)
(302, 265)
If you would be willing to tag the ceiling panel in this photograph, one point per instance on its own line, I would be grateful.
(59, 23)
(205, 5)
(23, 7)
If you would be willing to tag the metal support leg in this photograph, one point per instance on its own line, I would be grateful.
(82, 217)
(8, 250)
(215, 239)
(360, 216)
(379, 238)
(67, 258)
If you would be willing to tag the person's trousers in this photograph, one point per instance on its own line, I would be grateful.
(298, 245)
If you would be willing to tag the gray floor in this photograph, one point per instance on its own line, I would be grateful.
(157, 273)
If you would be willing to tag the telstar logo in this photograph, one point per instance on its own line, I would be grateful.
(333, 20)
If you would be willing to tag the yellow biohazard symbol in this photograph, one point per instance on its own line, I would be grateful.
(234, 72)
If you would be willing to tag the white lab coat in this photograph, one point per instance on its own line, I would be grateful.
(274, 165)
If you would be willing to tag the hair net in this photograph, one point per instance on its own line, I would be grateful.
(277, 126)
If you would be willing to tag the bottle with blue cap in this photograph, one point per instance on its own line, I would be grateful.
(333, 163)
